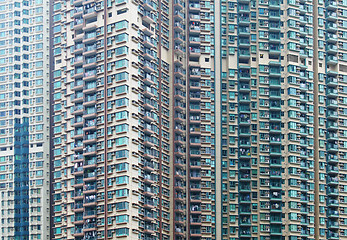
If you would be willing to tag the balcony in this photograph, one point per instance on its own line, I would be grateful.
(91, 163)
(149, 42)
(275, 140)
(245, 221)
(244, 31)
(194, 7)
(333, 224)
(244, 42)
(275, 230)
(333, 159)
(332, 125)
(332, 235)
(275, 207)
(333, 213)
(178, 15)
(331, 27)
(275, 128)
(274, 49)
(331, 92)
(274, 4)
(245, 210)
(243, 20)
(332, 180)
(89, 150)
(245, 177)
(332, 147)
(195, 232)
(149, 204)
(89, 76)
(194, 28)
(195, 73)
(332, 60)
(149, 17)
(195, 198)
(275, 72)
(333, 203)
(275, 83)
(332, 73)
(243, 8)
(244, 87)
(275, 117)
(331, 5)
(244, 153)
(244, 188)
(245, 232)
(332, 170)
(244, 166)
(331, 38)
(149, 5)
(274, 38)
(332, 49)
(78, 11)
(274, 27)
(332, 103)
(244, 54)
(275, 174)
(332, 191)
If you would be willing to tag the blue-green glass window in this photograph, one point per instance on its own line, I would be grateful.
(122, 154)
(56, 6)
(121, 102)
(122, 192)
(122, 231)
(122, 141)
(122, 206)
(121, 115)
(122, 167)
(232, 207)
(122, 63)
(122, 128)
(122, 179)
(232, 218)
(121, 24)
(121, 37)
(121, 50)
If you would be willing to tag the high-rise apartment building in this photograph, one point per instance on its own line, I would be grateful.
(24, 120)
(189, 119)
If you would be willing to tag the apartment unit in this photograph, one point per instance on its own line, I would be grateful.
(24, 120)
(199, 120)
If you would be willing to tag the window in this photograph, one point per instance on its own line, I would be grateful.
(122, 231)
(122, 63)
(121, 25)
(122, 206)
(122, 180)
(121, 37)
(122, 192)
(121, 50)
(121, 141)
(122, 167)
(122, 154)
(121, 102)
(121, 115)
(122, 128)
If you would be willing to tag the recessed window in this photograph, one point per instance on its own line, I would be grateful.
(124, 10)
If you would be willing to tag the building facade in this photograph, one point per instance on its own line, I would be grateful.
(199, 119)
(24, 120)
